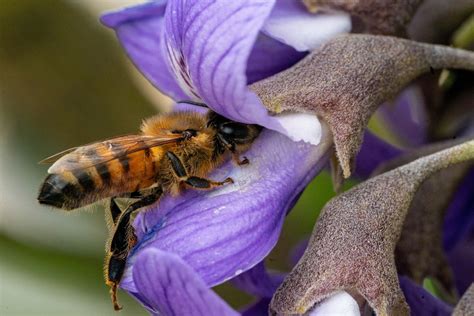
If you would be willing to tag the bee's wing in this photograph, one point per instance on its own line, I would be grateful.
(105, 151)
(56, 157)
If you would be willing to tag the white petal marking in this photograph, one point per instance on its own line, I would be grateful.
(339, 304)
(301, 126)
(302, 30)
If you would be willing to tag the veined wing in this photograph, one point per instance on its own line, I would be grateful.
(101, 152)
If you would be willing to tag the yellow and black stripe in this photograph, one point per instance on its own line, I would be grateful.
(127, 173)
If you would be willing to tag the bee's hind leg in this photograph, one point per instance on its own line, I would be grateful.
(122, 241)
(112, 213)
(195, 182)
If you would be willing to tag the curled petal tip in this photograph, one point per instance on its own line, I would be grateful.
(290, 23)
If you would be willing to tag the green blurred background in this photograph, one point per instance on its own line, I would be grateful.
(65, 81)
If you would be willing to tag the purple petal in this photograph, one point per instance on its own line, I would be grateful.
(458, 237)
(259, 308)
(407, 116)
(168, 286)
(292, 24)
(298, 251)
(269, 57)
(373, 152)
(226, 231)
(421, 302)
(208, 44)
(139, 30)
(459, 220)
(461, 259)
(258, 281)
(200, 50)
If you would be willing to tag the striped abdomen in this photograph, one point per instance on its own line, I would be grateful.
(70, 189)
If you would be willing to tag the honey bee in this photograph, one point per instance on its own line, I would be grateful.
(174, 151)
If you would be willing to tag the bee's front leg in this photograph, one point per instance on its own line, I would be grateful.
(122, 241)
(237, 160)
(231, 147)
(195, 182)
(201, 183)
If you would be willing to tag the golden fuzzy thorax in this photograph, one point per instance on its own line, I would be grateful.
(196, 154)
(167, 123)
(156, 125)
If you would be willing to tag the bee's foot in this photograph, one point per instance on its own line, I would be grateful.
(113, 296)
(239, 162)
(228, 181)
(132, 240)
(117, 307)
(244, 161)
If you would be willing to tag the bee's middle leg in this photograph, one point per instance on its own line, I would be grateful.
(122, 241)
(235, 156)
(195, 182)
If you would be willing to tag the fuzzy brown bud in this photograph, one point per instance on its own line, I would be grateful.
(346, 80)
(353, 243)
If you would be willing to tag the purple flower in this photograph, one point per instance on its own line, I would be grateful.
(210, 51)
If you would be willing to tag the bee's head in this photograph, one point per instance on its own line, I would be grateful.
(231, 134)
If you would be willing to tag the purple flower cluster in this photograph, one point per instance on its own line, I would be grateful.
(210, 51)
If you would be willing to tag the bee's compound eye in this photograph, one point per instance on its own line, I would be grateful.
(228, 130)
(234, 130)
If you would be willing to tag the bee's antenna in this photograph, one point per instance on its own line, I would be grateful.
(194, 103)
